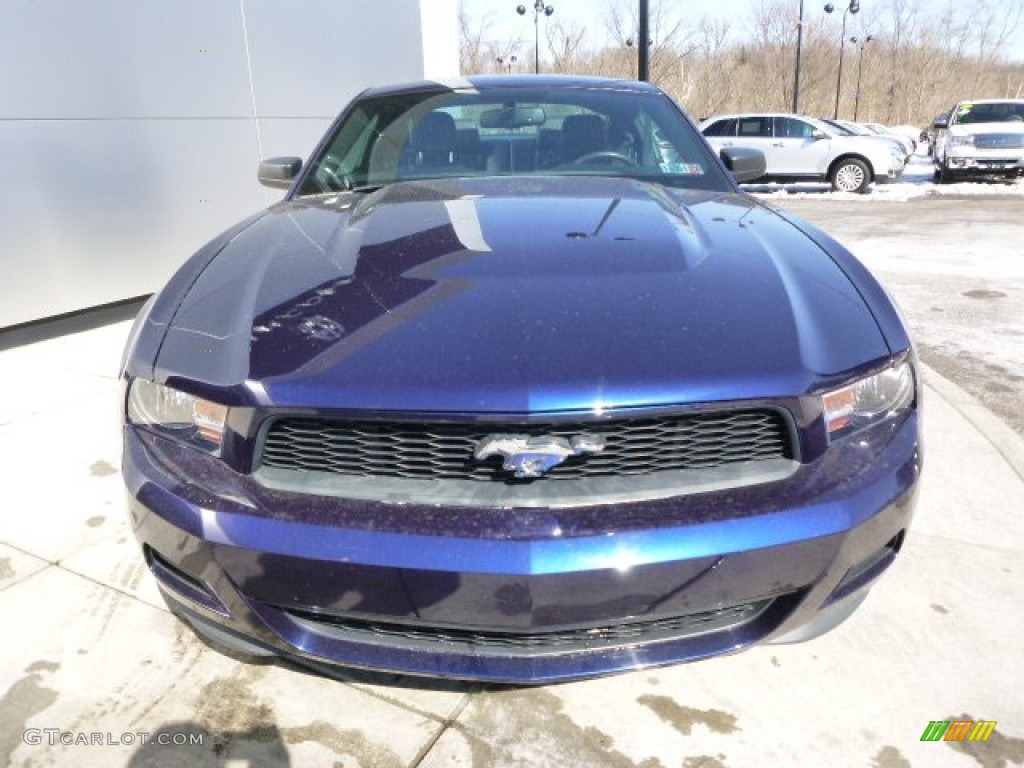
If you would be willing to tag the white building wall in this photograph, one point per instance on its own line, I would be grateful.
(130, 130)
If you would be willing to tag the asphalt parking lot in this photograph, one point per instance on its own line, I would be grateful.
(96, 672)
(953, 264)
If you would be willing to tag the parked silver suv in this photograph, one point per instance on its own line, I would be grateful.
(980, 138)
(799, 148)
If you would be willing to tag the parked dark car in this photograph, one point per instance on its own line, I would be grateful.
(516, 385)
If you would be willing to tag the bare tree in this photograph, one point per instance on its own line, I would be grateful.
(993, 25)
(923, 57)
(566, 49)
(712, 70)
(478, 51)
(673, 38)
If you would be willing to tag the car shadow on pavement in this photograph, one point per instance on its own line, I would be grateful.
(188, 743)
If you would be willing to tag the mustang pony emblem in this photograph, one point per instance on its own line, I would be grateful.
(531, 457)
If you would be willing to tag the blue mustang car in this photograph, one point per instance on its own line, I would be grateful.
(516, 385)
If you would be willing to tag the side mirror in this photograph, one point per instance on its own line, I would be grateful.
(746, 164)
(279, 172)
(941, 122)
(819, 134)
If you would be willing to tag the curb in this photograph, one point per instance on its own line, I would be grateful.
(1008, 443)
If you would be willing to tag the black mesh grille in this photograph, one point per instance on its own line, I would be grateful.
(445, 450)
(527, 642)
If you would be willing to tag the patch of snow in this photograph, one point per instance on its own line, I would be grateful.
(917, 181)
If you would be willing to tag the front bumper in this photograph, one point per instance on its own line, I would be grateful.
(977, 163)
(894, 174)
(559, 594)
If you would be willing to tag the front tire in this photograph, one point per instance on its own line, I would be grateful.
(850, 175)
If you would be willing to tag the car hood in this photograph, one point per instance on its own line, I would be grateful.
(538, 294)
(986, 128)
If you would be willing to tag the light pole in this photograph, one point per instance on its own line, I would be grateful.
(860, 66)
(853, 7)
(643, 50)
(643, 63)
(507, 62)
(538, 9)
(799, 46)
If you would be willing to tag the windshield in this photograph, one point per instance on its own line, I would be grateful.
(496, 131)
(842, 130)
(993, 112)
(855, 129)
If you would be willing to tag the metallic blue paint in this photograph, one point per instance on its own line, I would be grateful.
(874, 295)
(704, 297)
(838, 495)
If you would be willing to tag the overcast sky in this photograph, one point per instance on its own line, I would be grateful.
(505, 22)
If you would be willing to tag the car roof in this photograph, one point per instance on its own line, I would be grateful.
(736, 115)
(990, 101)
(487, 82)
(816, 122)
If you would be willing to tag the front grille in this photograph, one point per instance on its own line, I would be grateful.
(996, 163)
(445, 450)
(999, 140)
(530, 643)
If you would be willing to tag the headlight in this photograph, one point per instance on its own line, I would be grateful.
(961, 141)
(872, 399)
(184, 417)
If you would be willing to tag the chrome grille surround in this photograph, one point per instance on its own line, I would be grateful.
(999, 140)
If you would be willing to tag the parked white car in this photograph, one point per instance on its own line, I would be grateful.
(800, 148)
(849, 128)
(912, 132)
(980, 138)
(908, 142)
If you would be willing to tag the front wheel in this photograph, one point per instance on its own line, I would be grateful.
(850, 176)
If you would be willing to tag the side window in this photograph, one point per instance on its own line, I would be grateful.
(726, 127)
(755, 127)
(791, 128)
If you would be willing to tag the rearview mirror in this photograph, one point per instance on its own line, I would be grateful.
(819, 134)
(279, 172)
(941, 122)
(512, 117)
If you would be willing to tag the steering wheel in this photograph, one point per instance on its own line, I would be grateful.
(337, 180)
(605, 154)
